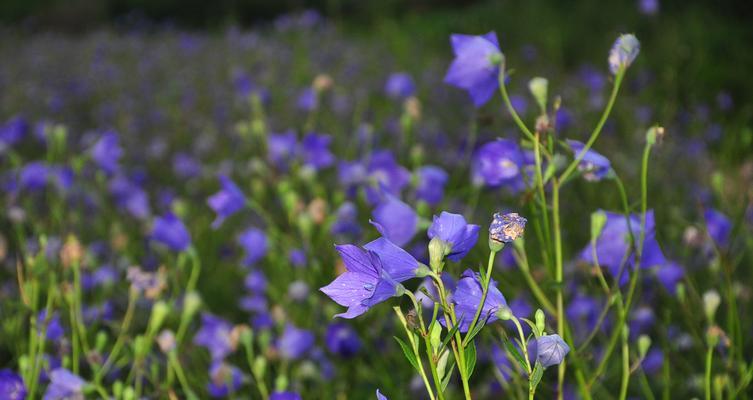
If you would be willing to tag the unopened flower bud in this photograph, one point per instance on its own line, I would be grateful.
(72, 252)
(504, 313)
(654, 135)
(539, 88)
(644, 343)
(166, 341)
(322, 82)
(540, 321)
(623, 52)
(711, 301)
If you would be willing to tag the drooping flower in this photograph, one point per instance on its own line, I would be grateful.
(431, 183)
(64, 385)
(476, 65)
(364, 283)
(107, 152)
(593, 165)
(613, 247)
(216, 336)
(315, 151)
(551, 350)
(229, 200)
(170, 231)
(295, 342)
(395, 220)
(497, 163)
(11, 386)
(223, 379)
(254, 243)
(467, 297)
(399, 85)
(505, 228)
(342, 339)
(458, 235)
(624, 51)
(718, 226)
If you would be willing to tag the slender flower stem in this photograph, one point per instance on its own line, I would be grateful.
(415, 348)
(261, 385)
(42, 338)
(133, 295)
(457, 347)
(506, 98)
(427, 342)
(175, 364)
(625, 363)
(597, 130)
(558, 278)
(538, 293)
(707, 380)
(484, 293)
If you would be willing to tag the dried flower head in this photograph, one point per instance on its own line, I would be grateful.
(506, 228)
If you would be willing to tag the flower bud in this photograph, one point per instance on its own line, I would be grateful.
(644, 343)
(191, 304)
(160, 310)
(711, 301)
(72, 252)
(166, 341)
(322, 82)
(598, 220)
(540, 321)
(438, 249)
(624, 51)
(505, 229)
(654, 134)
(504, 313)
(539, 88)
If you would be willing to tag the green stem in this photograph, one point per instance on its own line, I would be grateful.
(625, 363)
(457, 349)
(133, 295)
(707, 380)
(538, 293)
(597, 130)
(415, 348)
(519, 122)
(558, 278)
(261, 385)
(484, 293)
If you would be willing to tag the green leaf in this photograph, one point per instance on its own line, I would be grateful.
(533, 326)
(515, 353)
(442, 363)
(408, 352)
(470, 359)
(476, 329)
(538, 372)
(448, 375)
(449, 336)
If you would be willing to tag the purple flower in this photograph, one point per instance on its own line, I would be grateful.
(254, 243)
(395, 220)
(130, 196)
(170, 231)
(476, 65)
(505, 228)
(431, 183)
(396, 262)
(256, 281)
(455, 233)
(33, 176)
(380, 396)
(11, 386)
(347, 220)
(653, 361)
(107, 152)
(297, 257)
(593, 165)
(384, 174)
(229, 200)
(497, 163)
(64, 385)
(14, 130)
(285, 396)
(551, 350)
(307, 99)
(648, 7)
(295, 342)
(399, 85)
(613, 245)
(315, 151)
(641, 321)
(215, 335)
(467, 297)
(224, 378)
(363, 285)
(718, 226)
(55, 330)
(281, 148)
(342, 339)
(670, 274)
(624, 51)
(186, 166)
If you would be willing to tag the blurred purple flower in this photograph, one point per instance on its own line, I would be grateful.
(315, 151)
(395, 220)
(670, 274)
(64, 385)
(384, 174)
(431, 183)
(255, 245)
(107, 152)
(623, 52)
(285, 396)
(170, 231)
(474, 67)
(497, 163)
(224, 379)
(718, 226)
(347, 221)
(215, 335)
(229, 200)
(282, 148)
(399, 85)
(342, 339)
(11, 386)
(295, 342)
(593, 165)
